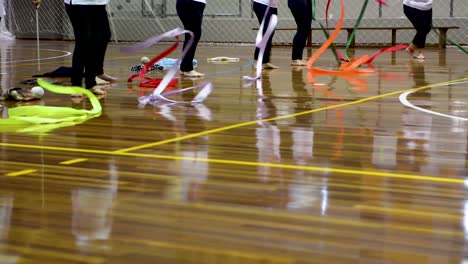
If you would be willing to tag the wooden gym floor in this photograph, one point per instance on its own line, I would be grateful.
(337, 172)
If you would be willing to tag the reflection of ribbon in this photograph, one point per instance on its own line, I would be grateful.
(168, 78)
(262, 40)
(347, 70)
(151, 82)
(339, 114)
(41, 119)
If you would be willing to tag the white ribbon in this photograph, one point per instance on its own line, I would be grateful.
(261, 42)
(157, 94)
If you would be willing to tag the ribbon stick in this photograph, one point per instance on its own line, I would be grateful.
(37, 41)
(261, 42)
(157, 96)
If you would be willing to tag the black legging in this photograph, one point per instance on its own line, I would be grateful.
(260, 10)
(422, 21)
(191, 14)
(302, 12)
(92, 34)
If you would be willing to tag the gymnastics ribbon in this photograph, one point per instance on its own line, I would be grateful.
(358, 22)
(152, 82)
(353, 34)
(324, 30)
(451, 42)
(337, 54)
(157, 96)
(330, 40)
(350, 65)
(42, 119)
(347, 70)
(261, 42)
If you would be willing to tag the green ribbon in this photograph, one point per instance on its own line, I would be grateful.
(324, 30)
(450, 41)
(353, 34)
(42, 119)
(358, 22)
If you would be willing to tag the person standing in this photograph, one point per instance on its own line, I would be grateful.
(190, 12)
(260, 7)
(92, 34)
(302, 12)
(419, 13)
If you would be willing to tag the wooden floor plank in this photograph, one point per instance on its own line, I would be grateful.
(336, 171)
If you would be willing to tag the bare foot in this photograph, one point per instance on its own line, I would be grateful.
(108, 78)
(97, 91)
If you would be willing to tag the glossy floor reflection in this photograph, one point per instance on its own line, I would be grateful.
(284, 171)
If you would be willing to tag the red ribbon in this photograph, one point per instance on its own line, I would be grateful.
(154, 82)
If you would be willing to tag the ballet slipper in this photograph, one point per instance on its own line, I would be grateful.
(298, 63)
(192, 73)
(269, 66)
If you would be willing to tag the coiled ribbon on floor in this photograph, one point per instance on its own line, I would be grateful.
(158, 95)
(42, 119)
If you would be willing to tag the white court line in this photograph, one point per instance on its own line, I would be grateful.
(66, 53)
(404, 101)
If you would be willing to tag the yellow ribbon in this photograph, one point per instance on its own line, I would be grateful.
(42, 119)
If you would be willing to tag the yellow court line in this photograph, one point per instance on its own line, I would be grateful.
(408, 212)
(20, 173)
(250, 164)
(73, 161)
(216, 130)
